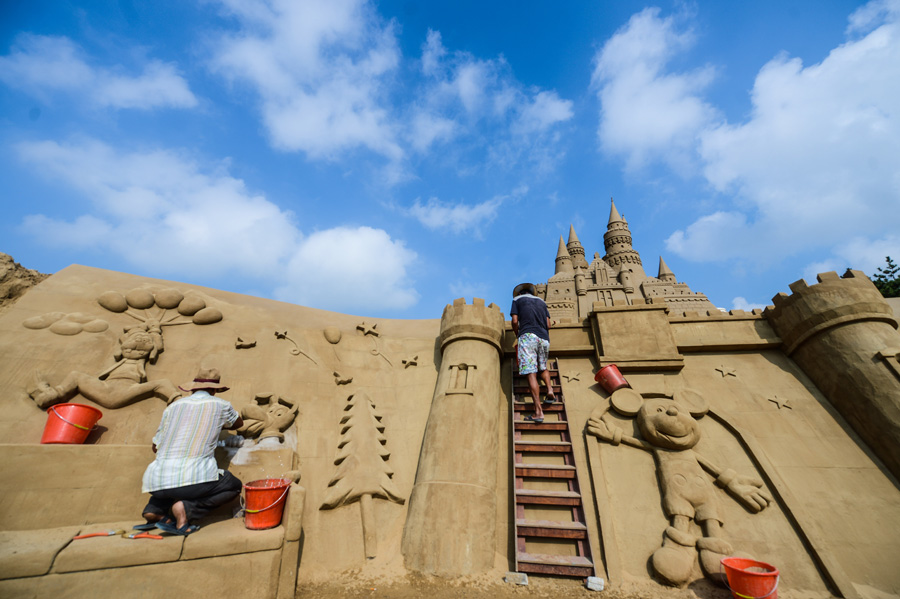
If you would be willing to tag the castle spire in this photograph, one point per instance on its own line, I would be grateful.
(575, 249)
(613, 213)
(563, 259)
(617, 242)
(665, 274)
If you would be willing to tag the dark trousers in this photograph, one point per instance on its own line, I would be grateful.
(198, 499)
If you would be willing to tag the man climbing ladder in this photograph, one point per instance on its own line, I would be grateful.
(531, 325)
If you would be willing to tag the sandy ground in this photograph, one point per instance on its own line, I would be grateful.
(537, 588)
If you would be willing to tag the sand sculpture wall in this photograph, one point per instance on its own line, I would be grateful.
(398, 429)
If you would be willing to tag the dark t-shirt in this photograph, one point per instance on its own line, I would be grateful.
(533, 315)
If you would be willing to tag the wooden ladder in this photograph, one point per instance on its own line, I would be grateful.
(549, 506)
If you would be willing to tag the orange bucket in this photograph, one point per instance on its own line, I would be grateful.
(264, 502)
(610, 378)
(70, 423)
(750, 579)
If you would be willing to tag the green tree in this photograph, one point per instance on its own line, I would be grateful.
(887, 279)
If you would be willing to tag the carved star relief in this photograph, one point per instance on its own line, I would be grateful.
(410, 361)
(572, 377)
(781, 403)
(366, 329)
(726, 371)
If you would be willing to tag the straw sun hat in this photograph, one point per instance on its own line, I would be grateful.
(206, 379)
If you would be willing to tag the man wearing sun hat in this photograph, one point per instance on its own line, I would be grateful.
(185, 479)
(531, 325)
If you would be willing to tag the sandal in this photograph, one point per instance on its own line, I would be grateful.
(531, 418)
(145, 526)
(549, 400)
(174, 530)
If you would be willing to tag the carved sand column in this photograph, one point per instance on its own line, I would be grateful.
(451, 525)
(844, 336)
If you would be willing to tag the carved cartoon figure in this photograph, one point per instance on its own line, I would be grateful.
(269, 417)
(122, 383)
(670, 431)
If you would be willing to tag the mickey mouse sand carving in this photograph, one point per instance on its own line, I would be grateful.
(670, 430)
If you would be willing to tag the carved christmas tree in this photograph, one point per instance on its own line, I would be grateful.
(362, 469)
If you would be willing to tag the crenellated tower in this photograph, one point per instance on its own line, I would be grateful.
(844, 336)
(451, 524)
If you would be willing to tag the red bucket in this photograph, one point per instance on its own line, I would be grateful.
(750, 579)
(610, 378)
(264, 502)
(70, 423)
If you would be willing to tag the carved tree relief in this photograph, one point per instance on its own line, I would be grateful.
(363, 471)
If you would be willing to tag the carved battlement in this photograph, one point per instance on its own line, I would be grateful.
(471, 321)
(697, 315)
(833, 301)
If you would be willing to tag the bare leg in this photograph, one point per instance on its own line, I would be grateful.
(181, 519)
(152, 517)
(545, 376)
(535, 393)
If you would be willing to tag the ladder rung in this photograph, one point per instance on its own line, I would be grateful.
(550, 529)
(544, 446)
(522, 425)
(527, 406)
(561, 561)
(534, 497)
(545, 471)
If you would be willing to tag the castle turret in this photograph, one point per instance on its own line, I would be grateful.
(563, 259)
(451, 524)
(576, 251)
(665, 275)
(619, 252)
(844, 336)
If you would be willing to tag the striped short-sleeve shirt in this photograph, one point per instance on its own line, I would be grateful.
(186, 442)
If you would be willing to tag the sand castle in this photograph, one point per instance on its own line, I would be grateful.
(773, 434)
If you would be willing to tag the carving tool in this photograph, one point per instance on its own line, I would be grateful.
(140, 535)
(104, 533)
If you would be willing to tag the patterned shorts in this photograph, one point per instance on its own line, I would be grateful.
(533, 353)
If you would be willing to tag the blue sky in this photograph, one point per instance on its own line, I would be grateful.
(384, 158)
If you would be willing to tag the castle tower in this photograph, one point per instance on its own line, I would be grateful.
(576, 251)
(844, 336)
(665, 275)
(564, 259)
(619, 252)
(451, 524)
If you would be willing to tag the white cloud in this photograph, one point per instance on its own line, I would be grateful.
(166, 214)
(867, 255)
(346, 268)
(457, 218)
(646, 113)
(542, 112)
(43, 65)
(739, 303)
(321, 69)
(815, 164)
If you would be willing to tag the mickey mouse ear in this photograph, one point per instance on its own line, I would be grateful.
(693, 401)
(626, 401)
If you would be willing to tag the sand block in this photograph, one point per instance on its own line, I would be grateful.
(31, 552)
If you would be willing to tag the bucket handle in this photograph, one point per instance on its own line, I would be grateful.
(57, 414)
(277, 501)
(736, 594)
